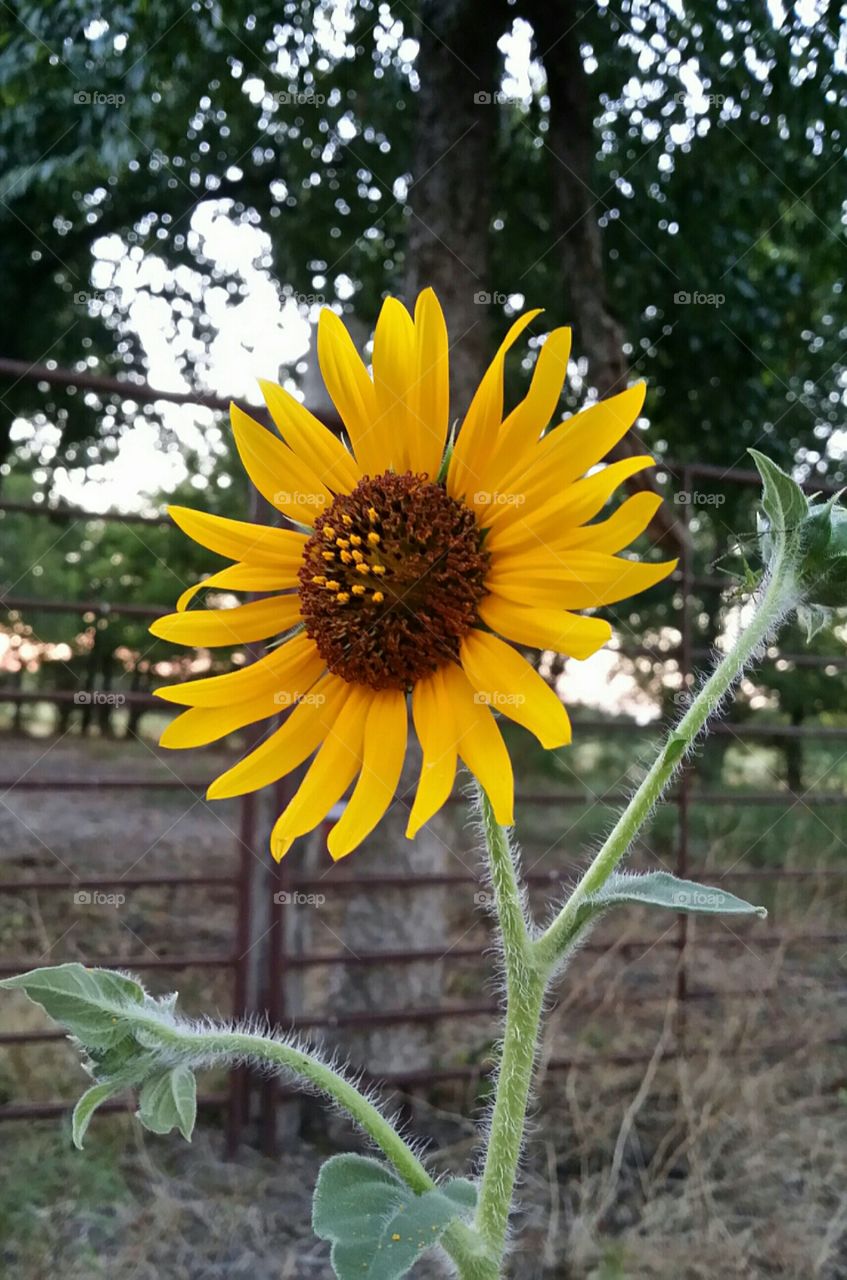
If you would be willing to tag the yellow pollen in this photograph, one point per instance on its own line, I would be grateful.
(372, 516)
(377, 597)
(328, 555)
(319, 579)
(355, 540)
(358, 589)
(343, 597)
(373, 538)
(329, 532)
(342, 542)
(357, 556)
(363, 568)
(332, 585)
(346, 557)
(378, 569)
(396, 1236)
(348, 520)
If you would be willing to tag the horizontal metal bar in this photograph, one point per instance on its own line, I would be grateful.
(199, 785)
(740, 475)
(307, 959)
(62, 696)
(47, 1110)
(590, 1062)
(103, 608)
(10, 968)
(433, 1015)
(57, 883)
(557, 876)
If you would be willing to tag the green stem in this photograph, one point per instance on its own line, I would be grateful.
(193, 1045)
(777, 593)
(525, 986)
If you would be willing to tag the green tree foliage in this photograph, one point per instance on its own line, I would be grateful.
(709, 139)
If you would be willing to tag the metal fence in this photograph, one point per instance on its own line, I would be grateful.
(264, 989)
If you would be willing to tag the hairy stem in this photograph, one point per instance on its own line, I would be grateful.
(186, 1043)
(525, 985)
(777, 594)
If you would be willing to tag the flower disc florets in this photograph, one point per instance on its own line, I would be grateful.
(391, 580)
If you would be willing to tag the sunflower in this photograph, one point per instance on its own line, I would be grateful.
(411, 568)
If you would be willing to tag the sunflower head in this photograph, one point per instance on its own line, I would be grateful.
(405, 575)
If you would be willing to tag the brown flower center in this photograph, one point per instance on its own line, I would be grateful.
(391, 579)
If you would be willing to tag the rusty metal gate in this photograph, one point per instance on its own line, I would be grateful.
(266, 992)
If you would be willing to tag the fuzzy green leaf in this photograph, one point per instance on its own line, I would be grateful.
(377, 1225)
(661, 889)
(89, 1002)
(88, 1104)
(784, 502)
(169, 1101)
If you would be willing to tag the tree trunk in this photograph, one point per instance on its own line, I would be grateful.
(575, 231)
(450, 197)
(448, 243)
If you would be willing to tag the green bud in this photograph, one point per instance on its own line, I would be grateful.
(813, 533)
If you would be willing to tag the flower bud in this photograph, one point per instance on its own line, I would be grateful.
(812, 535)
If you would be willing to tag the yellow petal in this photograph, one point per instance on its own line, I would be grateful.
(241, 625)
(199, 726)
(585, 581)
(311, 440)
(436, 732)
(528, 419)
(393, 374)
(479, 429)
(328, 776)
(294, 666)
(565, 454)
(287, 747)
(382, 763)
(242, 577)
(622, 527)
(281, 476)
(430, 399)
(514, 688)
(480, 744)
(238, 540)
(554, 629)
(526, 526)
(352, 393)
